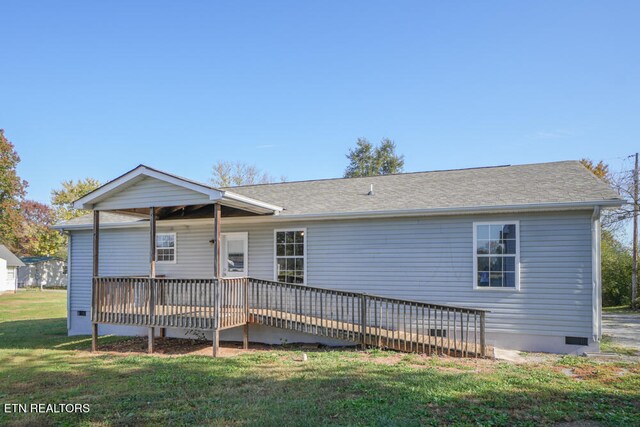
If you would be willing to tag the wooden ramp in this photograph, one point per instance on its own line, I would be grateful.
(215, 305)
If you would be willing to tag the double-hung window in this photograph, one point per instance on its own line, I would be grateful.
(290, 247)
(166, 247)
(496, 255)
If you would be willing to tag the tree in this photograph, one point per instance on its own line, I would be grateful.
(624, 184)
(36, 238)
(366, 160)
(63, 198)
(600, 169)
(12, 191)
(228, 174)
(616, 271)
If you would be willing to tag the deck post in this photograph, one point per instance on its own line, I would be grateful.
(216, 342)
(245, 331)
(94, 337)
(152, 258)
(363, 321)
(217, 306)
(95, 272)
(483, 346)
(151, 333)
(245, 336)
(152, 262)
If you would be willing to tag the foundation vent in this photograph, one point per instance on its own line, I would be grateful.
(576, 341)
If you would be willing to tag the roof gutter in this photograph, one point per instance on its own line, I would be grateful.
(596, 275)
(373, 214)
(533, 207)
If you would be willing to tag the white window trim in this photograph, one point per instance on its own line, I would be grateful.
(175, 248)
(275, 252)
(475, 257)
(245, 236)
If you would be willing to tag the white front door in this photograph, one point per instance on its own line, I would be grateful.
(235, 254)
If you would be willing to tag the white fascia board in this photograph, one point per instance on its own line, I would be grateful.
(95, 196)
(437, 211)
(554, 207)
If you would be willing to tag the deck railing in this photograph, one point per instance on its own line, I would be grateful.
(204, 304)
(212, 304)
(405, 325)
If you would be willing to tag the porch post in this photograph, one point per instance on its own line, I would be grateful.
(150, 343)
(216, 274)
(245, 329)
(245, 336)
(152, 242)
(216, 342)
(152, 256)
(95, 273)
(216, 243)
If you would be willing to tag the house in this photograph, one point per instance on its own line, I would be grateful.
(9, 264)
(509, 255)
(42, 271)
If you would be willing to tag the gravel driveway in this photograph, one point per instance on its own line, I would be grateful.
(624, 329)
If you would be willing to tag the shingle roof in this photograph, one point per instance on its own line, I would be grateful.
(37, 259)
(542, 183)
(557, 183)
(7, 255)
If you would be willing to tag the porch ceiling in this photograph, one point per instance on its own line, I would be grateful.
(188, 212)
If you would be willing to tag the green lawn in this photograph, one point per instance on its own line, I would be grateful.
(626, 309)
(38, 363)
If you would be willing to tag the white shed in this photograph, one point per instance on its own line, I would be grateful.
(42, 272)
(9, 264)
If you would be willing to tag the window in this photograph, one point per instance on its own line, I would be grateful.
(496, 255)
(166, 247)
(290, 263)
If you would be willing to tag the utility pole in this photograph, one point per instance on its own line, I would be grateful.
(634, 274)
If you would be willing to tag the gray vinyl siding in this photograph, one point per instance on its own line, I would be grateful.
(152, 192)
(427, 259)
(80, 267)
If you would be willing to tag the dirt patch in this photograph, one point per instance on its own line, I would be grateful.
(177, 347)
(439, 363)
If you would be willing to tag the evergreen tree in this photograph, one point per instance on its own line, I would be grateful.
(366, 160)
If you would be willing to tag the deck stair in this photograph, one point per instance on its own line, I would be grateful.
(218, 304)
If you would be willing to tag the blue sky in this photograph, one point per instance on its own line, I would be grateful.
(95, 88)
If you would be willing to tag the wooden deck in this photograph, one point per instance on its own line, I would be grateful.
(214, 305)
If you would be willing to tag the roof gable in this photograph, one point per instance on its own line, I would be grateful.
(7, 255)
(147, 191)
(145, 187)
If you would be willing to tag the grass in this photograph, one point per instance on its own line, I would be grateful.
(38, 363)
(622, 309)
(607, 345)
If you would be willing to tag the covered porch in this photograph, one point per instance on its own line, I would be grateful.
(161, 301)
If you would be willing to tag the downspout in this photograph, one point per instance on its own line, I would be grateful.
(68, 282)
(596, 276)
